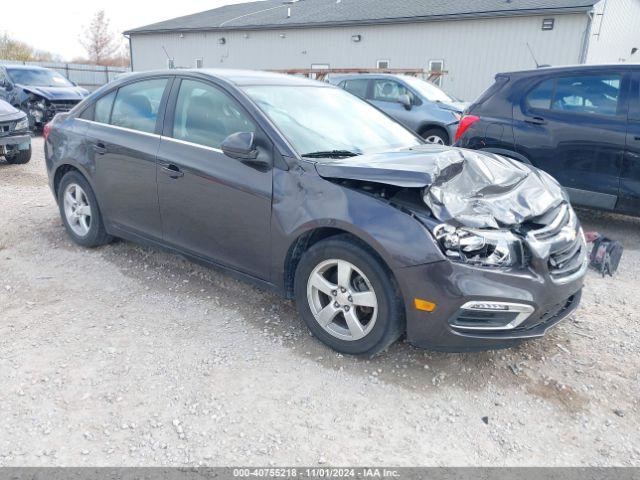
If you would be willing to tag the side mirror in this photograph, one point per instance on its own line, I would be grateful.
(405, 101)
(240, 146)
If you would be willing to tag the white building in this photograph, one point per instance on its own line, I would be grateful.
(471, 40)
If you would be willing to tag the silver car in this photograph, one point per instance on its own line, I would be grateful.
(421, 106)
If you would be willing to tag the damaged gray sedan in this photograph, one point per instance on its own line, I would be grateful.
(307, 190)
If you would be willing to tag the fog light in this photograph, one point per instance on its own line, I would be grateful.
(490, 316)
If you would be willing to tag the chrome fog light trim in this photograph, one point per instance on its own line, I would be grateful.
(524, 311)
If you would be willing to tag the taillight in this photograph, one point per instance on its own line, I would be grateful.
(46, 130)
(465, 123)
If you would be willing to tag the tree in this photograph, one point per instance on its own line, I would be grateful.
(98, 40)
(11, 49)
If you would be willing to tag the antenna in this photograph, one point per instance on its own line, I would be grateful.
(165, 52)
(533, 56)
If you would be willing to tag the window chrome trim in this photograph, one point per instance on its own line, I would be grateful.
(191, 144)
(154, 135)
(524, 311)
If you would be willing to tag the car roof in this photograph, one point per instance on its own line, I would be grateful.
(352, 76)
(574, 68)
(25, 67)
(235, 77)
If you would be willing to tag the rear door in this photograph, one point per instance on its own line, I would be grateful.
(574, 127)
(124, 140)
(629, 200)
(213, 206)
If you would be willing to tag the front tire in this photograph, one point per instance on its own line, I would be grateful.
(347, 297)
(436, 136)
(20, 158)
(80, 211)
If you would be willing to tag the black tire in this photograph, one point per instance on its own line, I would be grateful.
(436, 132)
(390, 322)
(96, 235)
(20, 158)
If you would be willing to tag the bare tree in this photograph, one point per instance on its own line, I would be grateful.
(98, 40)
(11, 49)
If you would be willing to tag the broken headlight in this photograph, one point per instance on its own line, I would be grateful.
(487, 248)
(22, 124)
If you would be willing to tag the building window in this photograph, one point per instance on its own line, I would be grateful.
(199, 62)
(383, 64)
(171, 63)
(548, 23)
(436, 71)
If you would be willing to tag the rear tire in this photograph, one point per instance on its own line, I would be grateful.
(358, 312)
(80, 211)
(20, 158)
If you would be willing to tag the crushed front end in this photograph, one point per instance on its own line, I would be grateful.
(514, 256)
(14, 131)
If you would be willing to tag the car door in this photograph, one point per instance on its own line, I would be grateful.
(629, 198)
(213, 206)
(573, 126)
(124, 140)
(385, 93)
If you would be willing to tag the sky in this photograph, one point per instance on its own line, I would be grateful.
(56, 26)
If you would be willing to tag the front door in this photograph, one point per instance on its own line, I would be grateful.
(574, 128)
(124, 141)
(629, 200)
(385, 93)
(213, 206)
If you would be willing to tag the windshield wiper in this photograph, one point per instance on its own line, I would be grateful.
(331, 154)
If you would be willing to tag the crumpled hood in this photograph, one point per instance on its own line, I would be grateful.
(454, 106)
(57, 93)
(462, 187)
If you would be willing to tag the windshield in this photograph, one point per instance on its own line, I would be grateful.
(326, 119)
(428, 90)
(38, 78)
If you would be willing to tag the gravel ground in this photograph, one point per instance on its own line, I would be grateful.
(126, 355)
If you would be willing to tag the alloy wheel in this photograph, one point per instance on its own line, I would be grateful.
(77, 209)
(435, 139)
(342, 299)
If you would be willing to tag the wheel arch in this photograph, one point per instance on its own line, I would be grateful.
(305, 240)
(508, 153)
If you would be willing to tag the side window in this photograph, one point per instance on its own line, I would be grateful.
(356, 87)
(588, 94)
(540, 96)
(206, 115)
(390, 91)
(102, 108)
(136, 106)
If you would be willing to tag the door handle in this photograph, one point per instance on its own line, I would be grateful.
(172, 171)
(535, 120)
(99, 148)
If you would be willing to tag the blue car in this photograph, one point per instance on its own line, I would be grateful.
(39, 92)
(419, 105)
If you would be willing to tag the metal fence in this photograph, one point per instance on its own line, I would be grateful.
(90, 77)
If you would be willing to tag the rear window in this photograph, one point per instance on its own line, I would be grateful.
(500, 82)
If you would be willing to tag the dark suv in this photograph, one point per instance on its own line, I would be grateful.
(581, 124)
(305, 189)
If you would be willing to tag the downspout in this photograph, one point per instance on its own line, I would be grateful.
(128, 37)
(584, 51)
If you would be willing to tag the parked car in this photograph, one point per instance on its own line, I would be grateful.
(581, 124)
(39, 92)
(309, 191)
(419, 105)
(15, 140)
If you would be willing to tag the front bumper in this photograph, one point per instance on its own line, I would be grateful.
(450, 286)
(14, 143)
